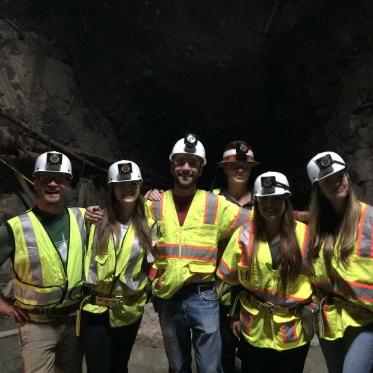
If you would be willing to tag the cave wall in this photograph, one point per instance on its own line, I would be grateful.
(126, 79)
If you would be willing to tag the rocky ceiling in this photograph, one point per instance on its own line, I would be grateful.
(125, 79)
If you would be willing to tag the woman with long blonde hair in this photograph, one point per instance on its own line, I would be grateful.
(115, 270)
(341, 258)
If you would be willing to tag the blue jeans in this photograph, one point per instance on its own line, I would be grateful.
(351, 354)
(191, 317)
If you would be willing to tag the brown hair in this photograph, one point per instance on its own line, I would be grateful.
(290, 258)
(109, 224)
(327, 228)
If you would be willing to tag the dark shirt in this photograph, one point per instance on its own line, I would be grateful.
(225, 194)
(182, 204)
(56, 225)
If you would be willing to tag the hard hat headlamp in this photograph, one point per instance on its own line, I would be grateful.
(190, 141)
(125, 170)
(241, 152)
(269, 183)
(54, 161)
(326, 162)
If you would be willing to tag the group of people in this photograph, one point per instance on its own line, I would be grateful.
(230, 271)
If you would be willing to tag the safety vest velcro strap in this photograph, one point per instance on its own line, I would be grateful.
(38, 296)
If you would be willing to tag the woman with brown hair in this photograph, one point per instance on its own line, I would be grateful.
(237, 162)
(115, 273)
(264, 257)
(342, 263)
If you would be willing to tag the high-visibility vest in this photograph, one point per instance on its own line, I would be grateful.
(224, 290)
(188, 253)
(118, 271)
(357, 276)
(264, 327)
(42, 279)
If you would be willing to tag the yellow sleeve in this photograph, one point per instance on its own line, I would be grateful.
(230, 217)
(228, 267)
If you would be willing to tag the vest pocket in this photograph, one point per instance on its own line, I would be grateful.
(287, 331)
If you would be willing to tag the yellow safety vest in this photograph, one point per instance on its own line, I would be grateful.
(353, 307)
(42, 281)
(117, 272)
(224, 290)
(188, 253)
(261, 326)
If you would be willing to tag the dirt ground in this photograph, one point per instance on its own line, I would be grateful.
(148, 354)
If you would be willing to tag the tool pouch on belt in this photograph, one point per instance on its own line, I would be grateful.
(78, 319)
(310, 313)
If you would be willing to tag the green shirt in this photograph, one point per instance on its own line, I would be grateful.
(56, 225)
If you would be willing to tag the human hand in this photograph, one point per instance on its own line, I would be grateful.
(93, 214)
(10, 311)
(236, 328)
(154, 195)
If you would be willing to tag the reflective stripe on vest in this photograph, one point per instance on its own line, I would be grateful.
(211, 208)
(135, 252)
(31, 243)
(246, 236)
(92, 274)
(40, 298)
(157, 207)
(227, 272)
(32, 250)
(289, 332)
(277, 298)
(80, 220)
(242, 217)
(132, 260)
(246, 320)
(186, 251)
(365, 234)
(363, 291)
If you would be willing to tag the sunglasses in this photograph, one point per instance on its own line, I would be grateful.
(192, 162)
(46, 179)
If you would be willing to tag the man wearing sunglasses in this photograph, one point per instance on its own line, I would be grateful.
(190, 224)
(46, 246)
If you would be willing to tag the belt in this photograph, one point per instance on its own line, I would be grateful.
(194, 288)
(276, 309)
(53, 312)
(110, 302)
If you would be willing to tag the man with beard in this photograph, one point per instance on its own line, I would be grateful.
(190, 224)
(46, 246)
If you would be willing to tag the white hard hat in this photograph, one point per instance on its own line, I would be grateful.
(271, 184)
(53, 162)
(122, 171)
(189, 145)
(323, 165)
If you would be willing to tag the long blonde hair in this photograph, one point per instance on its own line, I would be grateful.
(329, 229)
(290, 258)
(109, 224)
